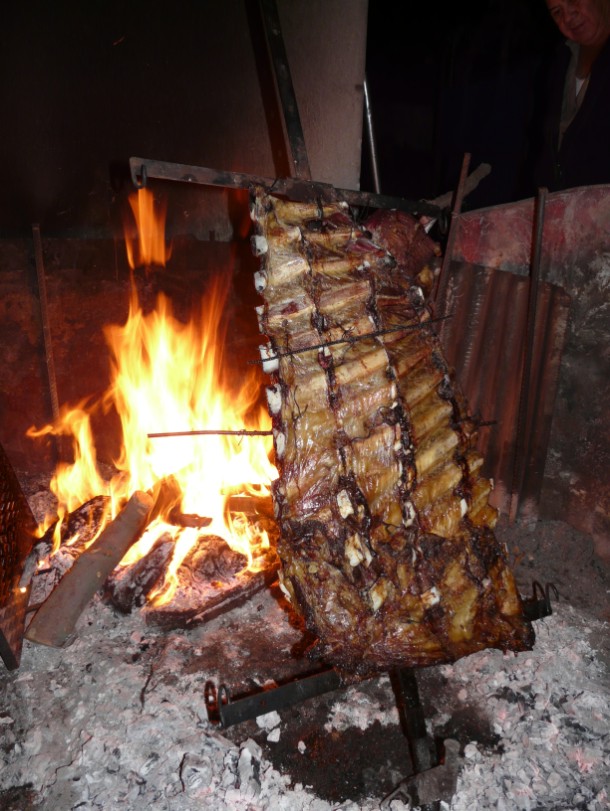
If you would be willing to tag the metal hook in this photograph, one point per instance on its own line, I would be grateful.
(553, 588)
(140, 180)
(539, 605)
(538, 590)
(224, 696)
(544, 593)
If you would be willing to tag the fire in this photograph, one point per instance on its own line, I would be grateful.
(171, 377)
(147, 247)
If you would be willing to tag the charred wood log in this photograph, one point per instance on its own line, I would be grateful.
(127, 587)
(76, 532)
(79, 528)
(54, 622)
(254, 506)
(212, 580)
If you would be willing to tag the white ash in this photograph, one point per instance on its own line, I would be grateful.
(360, 710)
(551, 711)
(270, 722)
(88, 727)
(101, 725)
(118, 720)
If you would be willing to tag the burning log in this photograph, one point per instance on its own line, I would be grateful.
(127, 587)
(55, 620)
(75, 533)
(79, 528)
(386, 533)
(211, 562)
(167, 495)
(256, 507)
(212, 580)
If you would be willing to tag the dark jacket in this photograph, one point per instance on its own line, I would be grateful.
(584, 157)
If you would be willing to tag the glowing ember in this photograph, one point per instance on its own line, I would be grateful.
(168, 376)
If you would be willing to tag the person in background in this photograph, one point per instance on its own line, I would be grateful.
(572, 145)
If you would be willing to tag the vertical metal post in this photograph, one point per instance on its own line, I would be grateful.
(292, 119)
(412, 718)
(443, 279)
(522, 437)
(46, 326)
(371, 137)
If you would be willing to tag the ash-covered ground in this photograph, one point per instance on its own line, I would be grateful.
(119, 719)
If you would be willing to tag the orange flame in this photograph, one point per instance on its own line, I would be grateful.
(169, 377)
(148, 246)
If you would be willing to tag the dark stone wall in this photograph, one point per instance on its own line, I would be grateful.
(85, 86)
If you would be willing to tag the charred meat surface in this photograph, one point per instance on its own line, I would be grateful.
(387, 537)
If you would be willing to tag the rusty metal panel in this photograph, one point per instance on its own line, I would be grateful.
(575, 256)
(483, 341)
(16, 536)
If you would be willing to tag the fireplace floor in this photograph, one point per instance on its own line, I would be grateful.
(118, 720)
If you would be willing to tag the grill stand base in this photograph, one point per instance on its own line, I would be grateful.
(425, 758)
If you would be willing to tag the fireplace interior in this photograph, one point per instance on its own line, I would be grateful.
(213, 702)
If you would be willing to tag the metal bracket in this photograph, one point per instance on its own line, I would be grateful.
(539, 605)
(143, 169)
(227, 711)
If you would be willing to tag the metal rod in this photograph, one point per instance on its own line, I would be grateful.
(522, 438)
(443, 279)
(352, 339)
(292, 119)
(371, 137)
(210, 432)
(46, 326)
(278, 698)
(412, 718)
(142, 169)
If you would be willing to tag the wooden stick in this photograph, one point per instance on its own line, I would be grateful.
(55, 620)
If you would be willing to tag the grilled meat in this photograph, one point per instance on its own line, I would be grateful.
(387, 537)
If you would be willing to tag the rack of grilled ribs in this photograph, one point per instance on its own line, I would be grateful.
(387, 539)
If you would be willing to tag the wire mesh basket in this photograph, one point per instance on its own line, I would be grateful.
(17, 528)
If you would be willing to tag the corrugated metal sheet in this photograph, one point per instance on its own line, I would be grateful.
(484, 341)
(576, 256)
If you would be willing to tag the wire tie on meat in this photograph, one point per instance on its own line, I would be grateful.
(352, 339)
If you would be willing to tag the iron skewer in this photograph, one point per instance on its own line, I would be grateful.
(208, 432)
